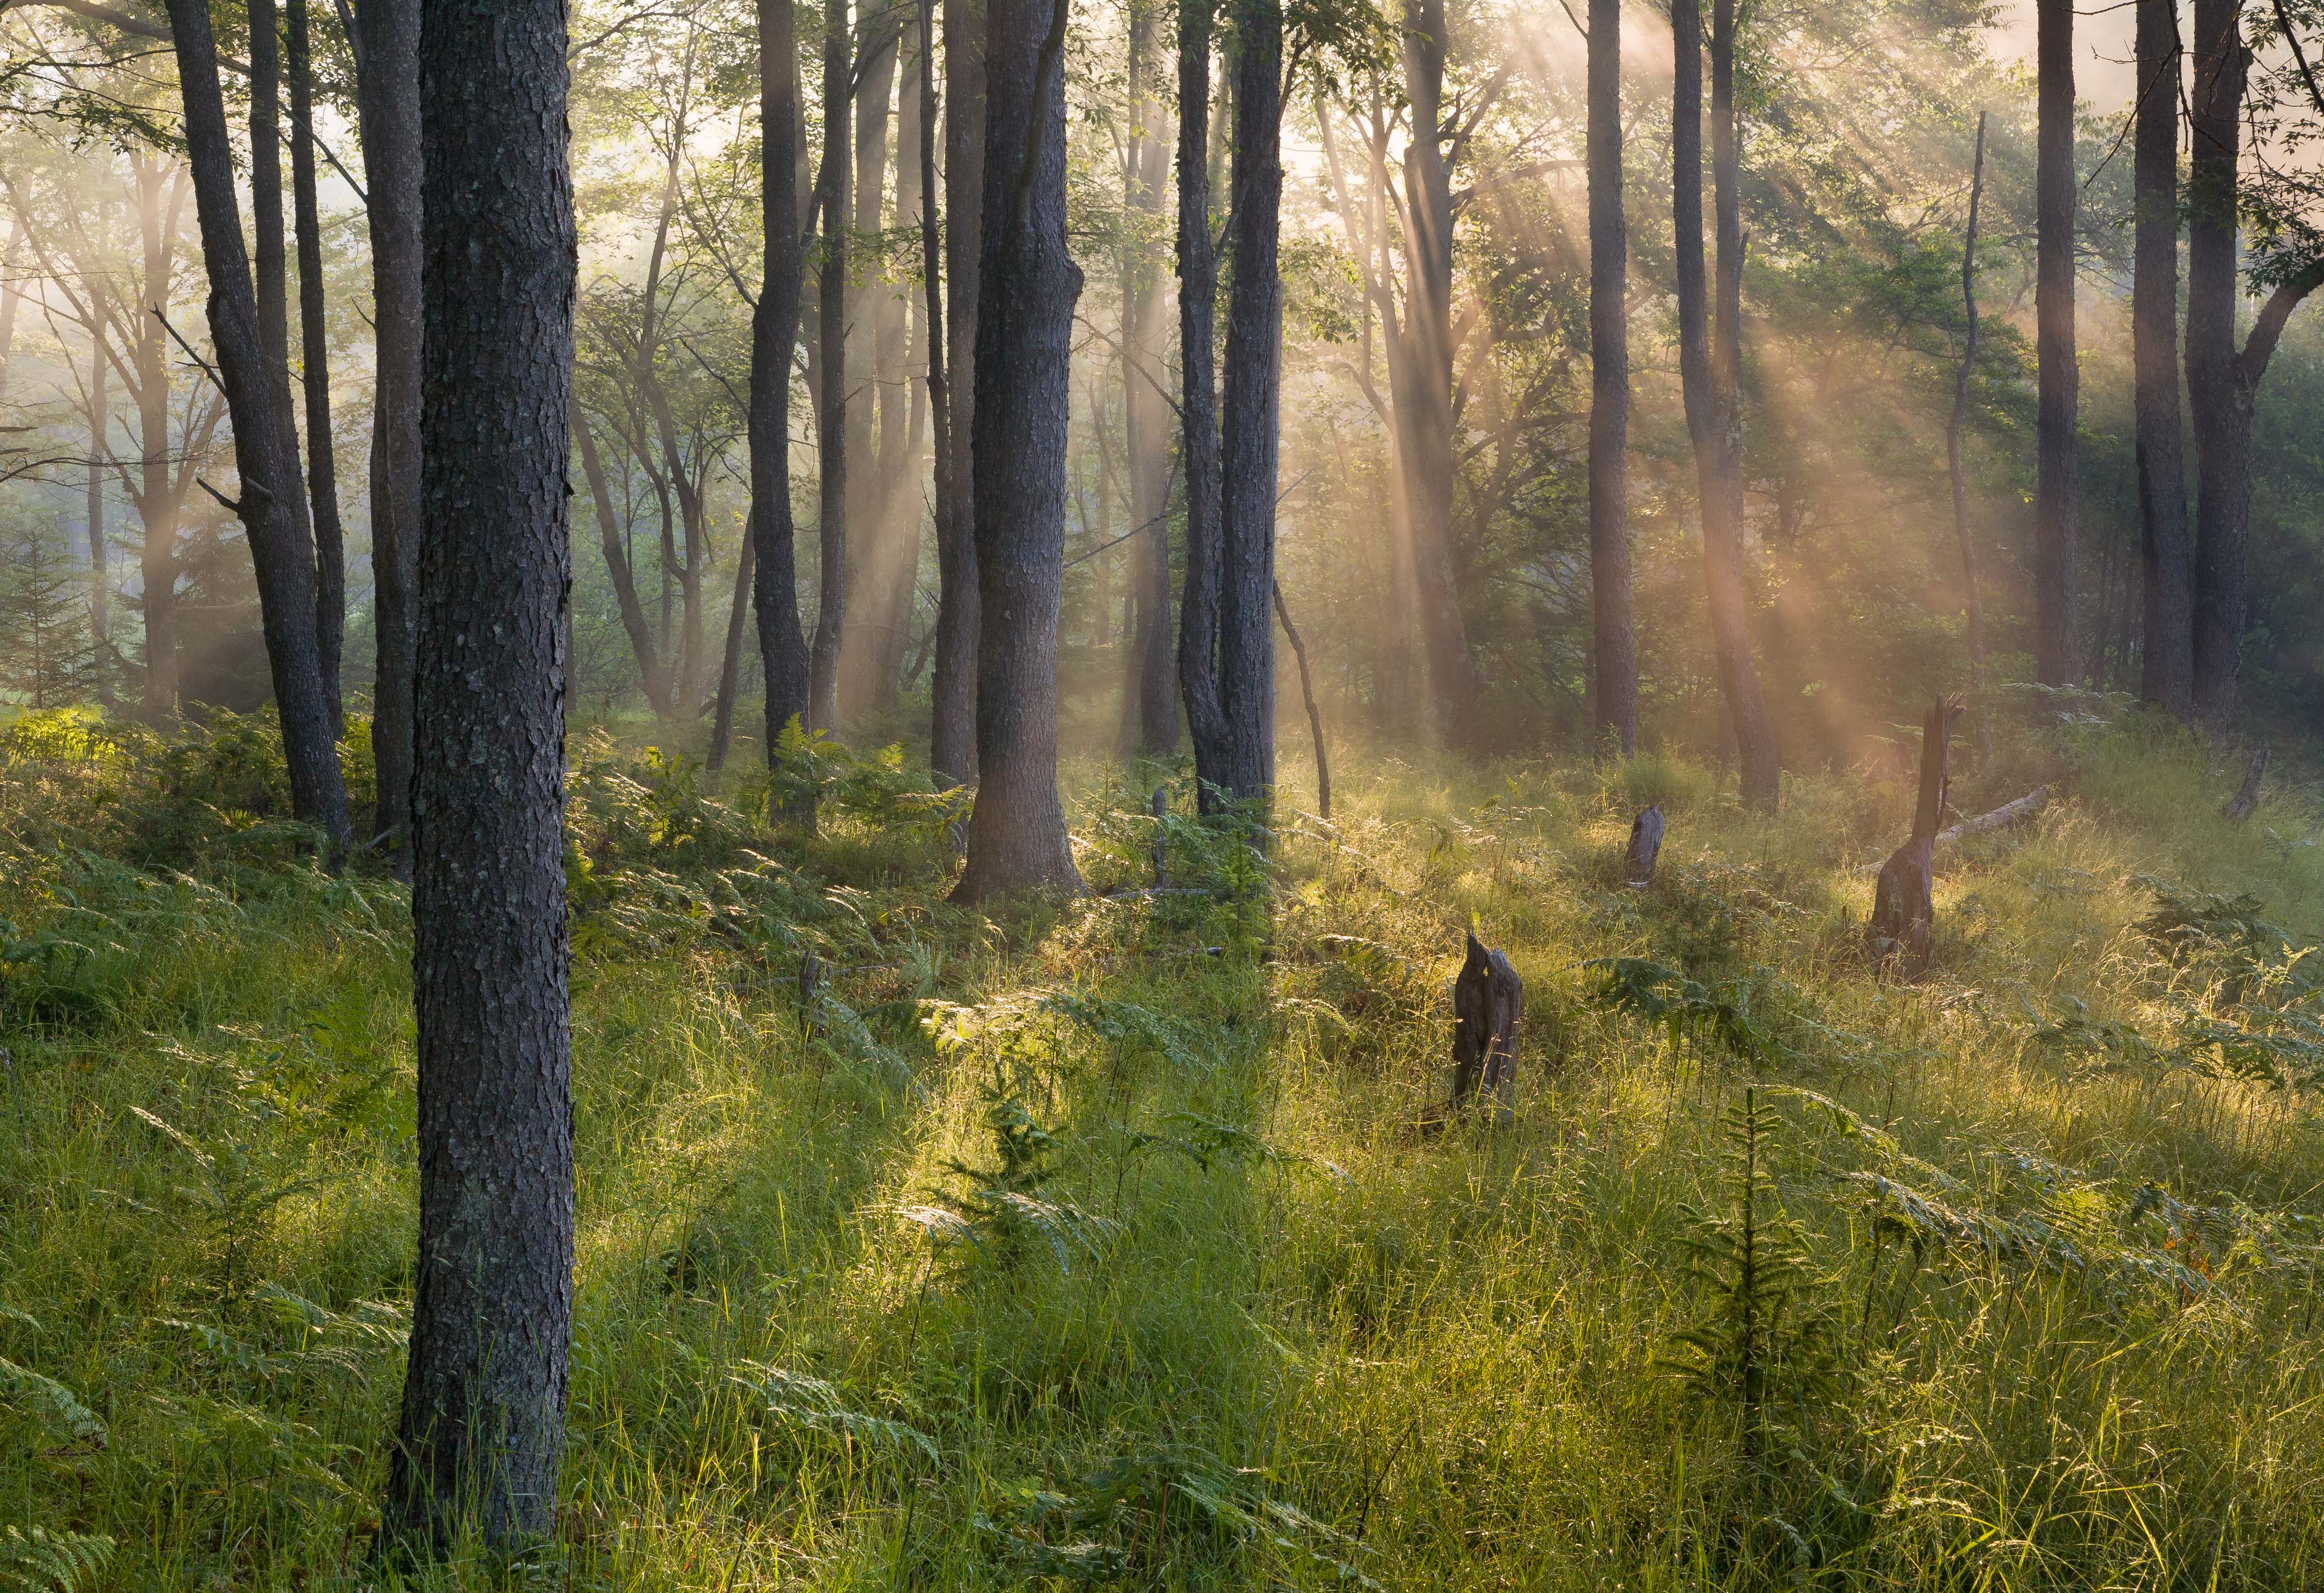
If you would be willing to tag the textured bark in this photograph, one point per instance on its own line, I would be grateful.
(1614, 651)
(483, 1399)
(1028, 288)
(1241, 761)
(2222, 433)
(2057, 450)
(269, 265)
(1903, 909)
(1198, 413)
(651, 669)
(2168, 676)
(1487, 1005)
(1711, 364)
(832, 496)
(953, 720)
(274, 507)
(314, 362)
(1150, 696)
(1645, 845)
(387, 73)
(774, 334)
(1954, 470)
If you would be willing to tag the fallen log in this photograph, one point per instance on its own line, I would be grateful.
(2006, 817)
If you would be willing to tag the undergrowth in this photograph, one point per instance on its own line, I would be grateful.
(1115, 1240)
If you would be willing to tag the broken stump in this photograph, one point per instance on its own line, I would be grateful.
(1646, 843)
(1487, 1001)
(1904, 902)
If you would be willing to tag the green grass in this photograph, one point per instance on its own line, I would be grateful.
(1262, 1326)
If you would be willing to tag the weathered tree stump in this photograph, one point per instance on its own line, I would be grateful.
(1904, 905)
(1161, 812)
(1487, 1003)
(2248, 799)
(1646, 843)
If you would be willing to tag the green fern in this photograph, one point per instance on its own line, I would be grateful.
(51, 1403)
(43, 1561)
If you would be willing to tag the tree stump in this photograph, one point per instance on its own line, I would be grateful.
(2248, 799)
(1487, 1001)
(1161, 854)
(1903, 904)
(1646, 843)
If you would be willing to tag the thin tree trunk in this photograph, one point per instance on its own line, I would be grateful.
(831, 499)
(651, 669)
(10, 299)
(945, 484)
(1954, 469)
(100, 577)
(774, 334)
(952, 722)
(1198, 294)
(1150, 716)
(158, 500)
(1243, 760)
(322, 466)
(873, 365)
(388, 74)
(483, 1397)
(1711, 364)
(2168, 675)
(274, 507)
(1028, 287)
(2222, 434)
(268, 261)
(730, 666)
(2057, 492)
(1614, 654)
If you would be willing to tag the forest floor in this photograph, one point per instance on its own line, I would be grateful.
(1115, 1239)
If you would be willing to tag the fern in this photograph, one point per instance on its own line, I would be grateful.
(1001, 1212)
(51, 1403)
(814, 1405)
(43, 1561)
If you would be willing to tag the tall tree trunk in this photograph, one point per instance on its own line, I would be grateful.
(1198, 412)
(1711, 363)
(1615, 653)
(2168, 676)
(652, 670)
(100, 574)
(2057, 491)
(868, 553)
(1424, 408)
(268, 261)
(322, 466)
(1955, 470)
(953, 724)
(157, 496)
(2221, 403)
(1028, 287)
(483, 1398)
(729, 659)
(774, 334)
(939, 378)
(832, 495)
(387, 71)
(274, 507)
(1242, 762)
(1150, 702)
(903, 398)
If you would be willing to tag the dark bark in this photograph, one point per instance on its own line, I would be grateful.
(774, 334)
(322, 466)
(652, 670)
(1645, 845)
(1614, 678)
(1028, 288)
(274, 507)
(1487, 1005)
(1903, 910)
(2222, 402)
(387, 73)
(483, 1398)
(2168, 677)
(1241, 761)
(729, 659)
(2245, 801)
(1150, 696)
(269, 265)
(1423, 401)
(953, 724)
(832, 498)
(1711, 363)
(1954, 468)
(2057, 449)
(1198, 414)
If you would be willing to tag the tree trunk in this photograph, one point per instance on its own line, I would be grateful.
(2221, 412)
(945, 481)
(651, 669)
(2057, 492)
(1150, 700)
(100, 577)
(1614, 649)
(774, 334)
(870, 559)
(483, 1398)
(2168, 675)
(1954, 469)
(730, 664)
(1711, 366)
(322, 466)
(10, 297)
(832, 496)
(951, 741)
(1198, 294)
(903, 403)
(1241, 761)
(1424, 408)
(1903, 910)
(1487, 1005)
(387, 72)
(268, 262)
(1028, 288)
(158, 498)
(274, 507)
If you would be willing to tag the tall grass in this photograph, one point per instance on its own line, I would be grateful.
(1111, 1239)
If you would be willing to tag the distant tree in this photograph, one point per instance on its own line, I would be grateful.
(1614, 650)
(832, 500)
(483, 1423)
(1149, 719)
(952, 738)
(774, 334)
(45, 652)
(2056, 492)
(315, 366)
(2168, 679)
